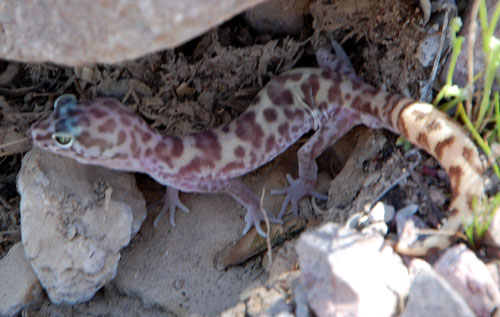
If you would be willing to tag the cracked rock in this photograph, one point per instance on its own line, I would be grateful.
(75, 219)
(337, 278)
(19, 287)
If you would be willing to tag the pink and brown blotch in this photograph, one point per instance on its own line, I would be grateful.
(103, 132)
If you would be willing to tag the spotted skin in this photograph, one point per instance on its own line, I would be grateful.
(330, 99)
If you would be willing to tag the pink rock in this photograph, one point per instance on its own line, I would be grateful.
(471, 278)
(431, 295)
(346, 273)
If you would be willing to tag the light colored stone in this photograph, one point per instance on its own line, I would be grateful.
(470, 277)
(494, 271)
(375, 221)
(75, 219)
(492, 237)
(460, 73)
(431, 295)
(408, 224)
(75, 32)
(339, 280)
(263, 301)
(19, 287)
(429, 47)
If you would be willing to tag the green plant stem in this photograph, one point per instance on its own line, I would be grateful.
(479, 140)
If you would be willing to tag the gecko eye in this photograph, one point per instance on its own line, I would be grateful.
(64, 140)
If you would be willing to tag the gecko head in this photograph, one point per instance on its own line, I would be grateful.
(92, 132)
(58, 131)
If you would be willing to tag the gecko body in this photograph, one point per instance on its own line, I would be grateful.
(330, 99)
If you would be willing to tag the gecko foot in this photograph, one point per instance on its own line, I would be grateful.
(254, 217)
(296, 191)
(170, 201)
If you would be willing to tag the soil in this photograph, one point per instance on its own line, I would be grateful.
(207, 82)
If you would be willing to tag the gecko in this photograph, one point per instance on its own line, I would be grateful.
(329, 99)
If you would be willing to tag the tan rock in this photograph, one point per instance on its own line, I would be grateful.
(19, 287)
(74, 32)
(75, 219)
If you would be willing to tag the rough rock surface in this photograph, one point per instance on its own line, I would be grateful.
(492, 237)
(460, 73)
(470, 277)
(80, 32)
(19, 287)
(431, 295)
(75, 220)
(339, 281)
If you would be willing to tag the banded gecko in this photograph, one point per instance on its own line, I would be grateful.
(330, 99)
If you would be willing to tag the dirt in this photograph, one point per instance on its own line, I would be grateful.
(207, 82)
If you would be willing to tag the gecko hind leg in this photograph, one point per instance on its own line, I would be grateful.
(338, 62)
(340, 122)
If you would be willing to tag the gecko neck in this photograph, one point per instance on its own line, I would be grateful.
(160, 155)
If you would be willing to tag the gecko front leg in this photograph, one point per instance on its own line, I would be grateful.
(171, 202)
(340, 122)
(236, 189)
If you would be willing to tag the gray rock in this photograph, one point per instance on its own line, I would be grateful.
(495, 274)
(470, 277)
(75, 219)
(78, 32)
(431, 295)
(492, 237)
(19, 288)
(339, 280)
(460, 73)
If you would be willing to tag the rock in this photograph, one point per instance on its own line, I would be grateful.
(470, 277)
(492, 237)
(339, 280)
(374, 222)
(284, 260)
(82, 32)
(262, 301)
(431, 295)
(75, 219)
(12, 142)
(408, 225)
(494, 271)
(19, 288)
(278, 16)
(460, 73)
(429, 47)
(252, 243)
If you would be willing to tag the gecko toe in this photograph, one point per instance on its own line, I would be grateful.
(260, 231)
(298, 189)
(319, 195)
